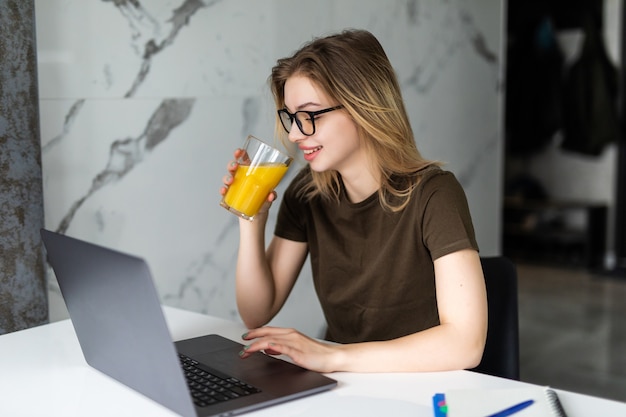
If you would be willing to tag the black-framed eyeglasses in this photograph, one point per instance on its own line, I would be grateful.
(304, 119)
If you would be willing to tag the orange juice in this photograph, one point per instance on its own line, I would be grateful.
(252, 185)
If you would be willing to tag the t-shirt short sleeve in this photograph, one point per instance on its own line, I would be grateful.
(446, 222)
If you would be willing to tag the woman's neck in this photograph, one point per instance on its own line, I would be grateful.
(359, 184)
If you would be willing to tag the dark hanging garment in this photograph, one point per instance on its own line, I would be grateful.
(534, 87)
(590, 95)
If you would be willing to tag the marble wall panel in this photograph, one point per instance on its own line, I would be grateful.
(143, 102)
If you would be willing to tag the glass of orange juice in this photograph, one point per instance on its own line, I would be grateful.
(261, 167)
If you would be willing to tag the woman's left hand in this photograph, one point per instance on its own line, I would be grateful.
(303, 350)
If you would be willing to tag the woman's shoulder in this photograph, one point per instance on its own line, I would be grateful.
(434, 174)
(436, 179)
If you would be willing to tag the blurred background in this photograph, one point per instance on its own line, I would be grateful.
(565, 188)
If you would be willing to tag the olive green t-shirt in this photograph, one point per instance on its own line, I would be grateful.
(372, 268)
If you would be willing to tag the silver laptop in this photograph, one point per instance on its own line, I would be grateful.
(116, 313)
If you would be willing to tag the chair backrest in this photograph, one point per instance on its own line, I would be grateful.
(501, 355)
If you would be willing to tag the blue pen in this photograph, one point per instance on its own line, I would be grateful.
(513, 409)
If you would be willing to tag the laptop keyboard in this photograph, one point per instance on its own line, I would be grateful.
(207, 388)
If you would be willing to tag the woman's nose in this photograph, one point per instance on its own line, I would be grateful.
(295, 135)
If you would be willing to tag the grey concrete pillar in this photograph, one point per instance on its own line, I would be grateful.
(23, 296)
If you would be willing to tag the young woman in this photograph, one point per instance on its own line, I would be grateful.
(393, 253)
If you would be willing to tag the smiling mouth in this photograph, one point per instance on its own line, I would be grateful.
(310, 151)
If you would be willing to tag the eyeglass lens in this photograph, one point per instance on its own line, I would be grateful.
(304, 121)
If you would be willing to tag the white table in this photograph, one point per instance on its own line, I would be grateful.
(43, 372)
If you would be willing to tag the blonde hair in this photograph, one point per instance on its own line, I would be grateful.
(352, 68)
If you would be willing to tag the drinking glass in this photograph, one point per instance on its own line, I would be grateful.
(261, 167)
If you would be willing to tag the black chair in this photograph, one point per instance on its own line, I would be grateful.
(501, 354)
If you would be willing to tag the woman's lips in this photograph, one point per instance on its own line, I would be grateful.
(310, 153)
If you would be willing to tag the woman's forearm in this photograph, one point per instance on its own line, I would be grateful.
(255, 288)
(440, 348)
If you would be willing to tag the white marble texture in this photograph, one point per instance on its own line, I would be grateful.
(142, 103)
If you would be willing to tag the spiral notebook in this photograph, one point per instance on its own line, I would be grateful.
(521, 402)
